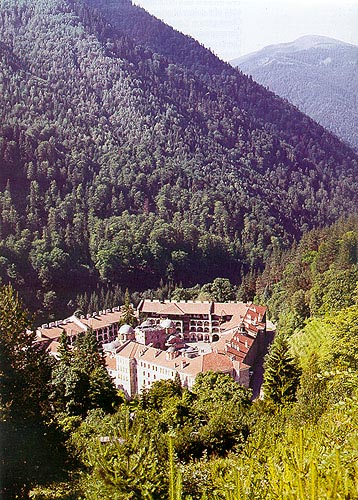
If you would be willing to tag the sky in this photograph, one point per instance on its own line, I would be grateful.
(232, 28)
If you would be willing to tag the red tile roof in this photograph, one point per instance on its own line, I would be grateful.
(216, 362)
(73, 325)
(54, 332)
(191, 366)
(239, 356)
(102, 320)
(176, 308)
(230, 309)
(171, 309)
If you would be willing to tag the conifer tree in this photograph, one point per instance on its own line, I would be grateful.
(282, 373)
(63, 349)
(29, 444)
(128, 314)
(80, 379)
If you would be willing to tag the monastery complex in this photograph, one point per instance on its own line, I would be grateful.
(172, 339)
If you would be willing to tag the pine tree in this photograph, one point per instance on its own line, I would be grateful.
(282, 373)
(80, 379)
(29, 446)
(86, 354)
(128, 314)
(22, 365)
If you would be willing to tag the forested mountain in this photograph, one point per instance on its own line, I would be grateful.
(317, 74)
(130, 154)
(327, 281)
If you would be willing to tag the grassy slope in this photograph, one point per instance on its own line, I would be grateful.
(313, 338)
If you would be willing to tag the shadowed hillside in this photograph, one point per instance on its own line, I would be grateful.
(131, 155)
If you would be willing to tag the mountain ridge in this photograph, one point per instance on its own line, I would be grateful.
(317, 74)
(121, 165)
(302, 43)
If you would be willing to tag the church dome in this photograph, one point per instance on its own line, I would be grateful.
(125, 330)
(167, 323)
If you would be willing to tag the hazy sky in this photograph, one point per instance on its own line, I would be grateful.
(232, 28)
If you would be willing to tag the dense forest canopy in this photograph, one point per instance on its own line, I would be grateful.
(130, 154)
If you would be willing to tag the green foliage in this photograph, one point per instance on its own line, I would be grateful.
(162, 390)
(56, 491)
(216, 388)
(130, 154)
(102, 298)
(314, 338)
(333, 290)
(220, 290)
(282, 373)
(181, 293)
(318, 277)
(344, 338)
(316, 461)
(128, 313)
(327, 352)
(313, 395)
(18, 358)
(174, 474)
(31, 450)
(126, 465)
(80, 381)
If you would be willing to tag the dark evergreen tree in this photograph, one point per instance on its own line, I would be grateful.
(80, 380)
(282, 373)
(128, 313)
(30, 450)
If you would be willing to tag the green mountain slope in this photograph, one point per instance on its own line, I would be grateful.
(127, 159)
(314, 338)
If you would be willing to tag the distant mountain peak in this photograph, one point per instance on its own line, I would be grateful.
(311, 41)
(317, 74)
(305, 42)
